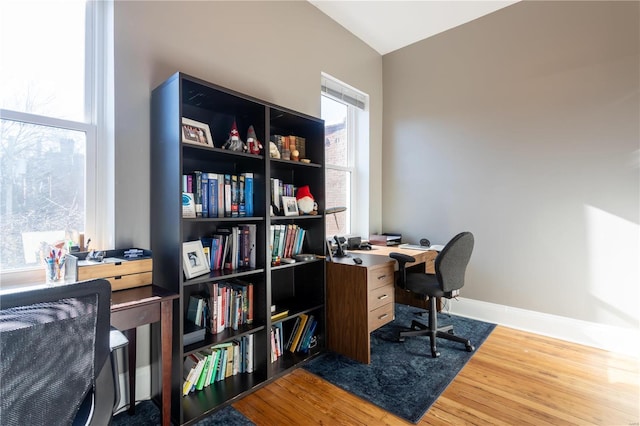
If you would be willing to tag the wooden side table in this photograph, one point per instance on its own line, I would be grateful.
(138, 306)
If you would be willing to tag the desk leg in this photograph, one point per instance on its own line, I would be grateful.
(131, 335)
(166, 313)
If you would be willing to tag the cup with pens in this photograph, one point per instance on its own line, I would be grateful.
(54, 266)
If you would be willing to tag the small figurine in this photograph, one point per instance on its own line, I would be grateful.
(273, 150)
(252, 141)
(306, 203)
(234, 143)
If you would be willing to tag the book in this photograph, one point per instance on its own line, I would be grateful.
(204, 189)
(298, 333)
(293, 333)
(227, 195)
(188, 370)
(188, 205)
(221, 196)
(235, 195)
(203, 373)
(213, 195)
(242, 206)
(279, 315)
(248, 193)
(304, 332)
(197, 191)
(306, 341)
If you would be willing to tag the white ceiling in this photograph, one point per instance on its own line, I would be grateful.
(388, 25)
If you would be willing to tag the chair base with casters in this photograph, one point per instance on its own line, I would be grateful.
(432, 330)
(450, 266)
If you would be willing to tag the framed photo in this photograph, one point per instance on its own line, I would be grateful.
(196, 133)
(290, 206)
(194, 260)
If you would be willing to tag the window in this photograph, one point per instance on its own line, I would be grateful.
(344, 110)
(50, 128)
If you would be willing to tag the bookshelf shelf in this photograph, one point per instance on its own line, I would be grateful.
(301, 285)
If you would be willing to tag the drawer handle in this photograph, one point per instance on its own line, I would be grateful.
(119, 277)
(384, 296)
(380, 277)
(383, 316)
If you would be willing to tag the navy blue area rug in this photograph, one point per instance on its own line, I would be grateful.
(148, 414)
(403, 378)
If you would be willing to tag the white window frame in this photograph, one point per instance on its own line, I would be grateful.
(98, 128)
(358, 151)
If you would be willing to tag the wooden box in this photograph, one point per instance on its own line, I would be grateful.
(121, 272)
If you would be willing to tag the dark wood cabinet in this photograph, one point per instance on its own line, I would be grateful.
(297, 287)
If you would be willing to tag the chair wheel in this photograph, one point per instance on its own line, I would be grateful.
(400, 339)
(469, 347)
(451, 332)
(435, 354)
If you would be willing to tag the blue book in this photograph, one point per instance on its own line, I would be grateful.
(213, 195)
(205, 194)
(248, 193)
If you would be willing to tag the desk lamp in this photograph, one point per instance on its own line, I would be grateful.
(340, 241)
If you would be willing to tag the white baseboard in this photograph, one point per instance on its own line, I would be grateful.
(610, 338)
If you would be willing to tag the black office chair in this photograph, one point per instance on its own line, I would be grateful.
(55, 363)
(450, 266)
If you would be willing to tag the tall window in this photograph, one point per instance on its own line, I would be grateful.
(49, 126)
(344, 110)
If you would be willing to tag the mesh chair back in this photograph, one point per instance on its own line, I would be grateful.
(451, 263)
(53, 343)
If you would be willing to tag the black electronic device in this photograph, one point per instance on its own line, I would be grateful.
(340, 250)
(357, 260)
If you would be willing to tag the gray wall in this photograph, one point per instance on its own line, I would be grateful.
(274, 51)
(522, 127)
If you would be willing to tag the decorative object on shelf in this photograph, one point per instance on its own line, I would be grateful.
(196, 133)
(273, 150)
(193, 259)
(253, 143)
(306, 202)
(234, 143)
(290, 206)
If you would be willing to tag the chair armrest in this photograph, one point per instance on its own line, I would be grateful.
(402, 258)
(117, 339)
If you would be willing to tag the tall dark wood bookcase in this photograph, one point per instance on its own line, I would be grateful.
(298, 287)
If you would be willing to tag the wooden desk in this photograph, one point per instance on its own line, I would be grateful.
(422, 257)
(139, 306)
(360, 298)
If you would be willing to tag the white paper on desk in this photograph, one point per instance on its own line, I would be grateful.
(436, 247)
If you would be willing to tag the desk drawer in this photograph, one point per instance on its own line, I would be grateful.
(380, 275)
(381, 296)
(381, 316)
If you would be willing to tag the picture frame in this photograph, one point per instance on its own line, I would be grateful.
(196, 133)
(194, 260)
(290, 206)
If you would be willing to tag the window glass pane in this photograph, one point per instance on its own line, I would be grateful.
(42, 192)
(42, 53)
(334, 114)
(337, 193)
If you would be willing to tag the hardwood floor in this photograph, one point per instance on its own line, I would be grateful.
(515, 378)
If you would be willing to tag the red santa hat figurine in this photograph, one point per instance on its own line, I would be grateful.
(253, 143)
(306, 203)
(234, 143)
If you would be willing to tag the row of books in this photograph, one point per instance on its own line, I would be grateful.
(220, 194)
(299, 340)
(301, 337)
(228, 304)
(231, 248)
(214, 364)
(279, 189)
(290, 143)
(286, 240)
